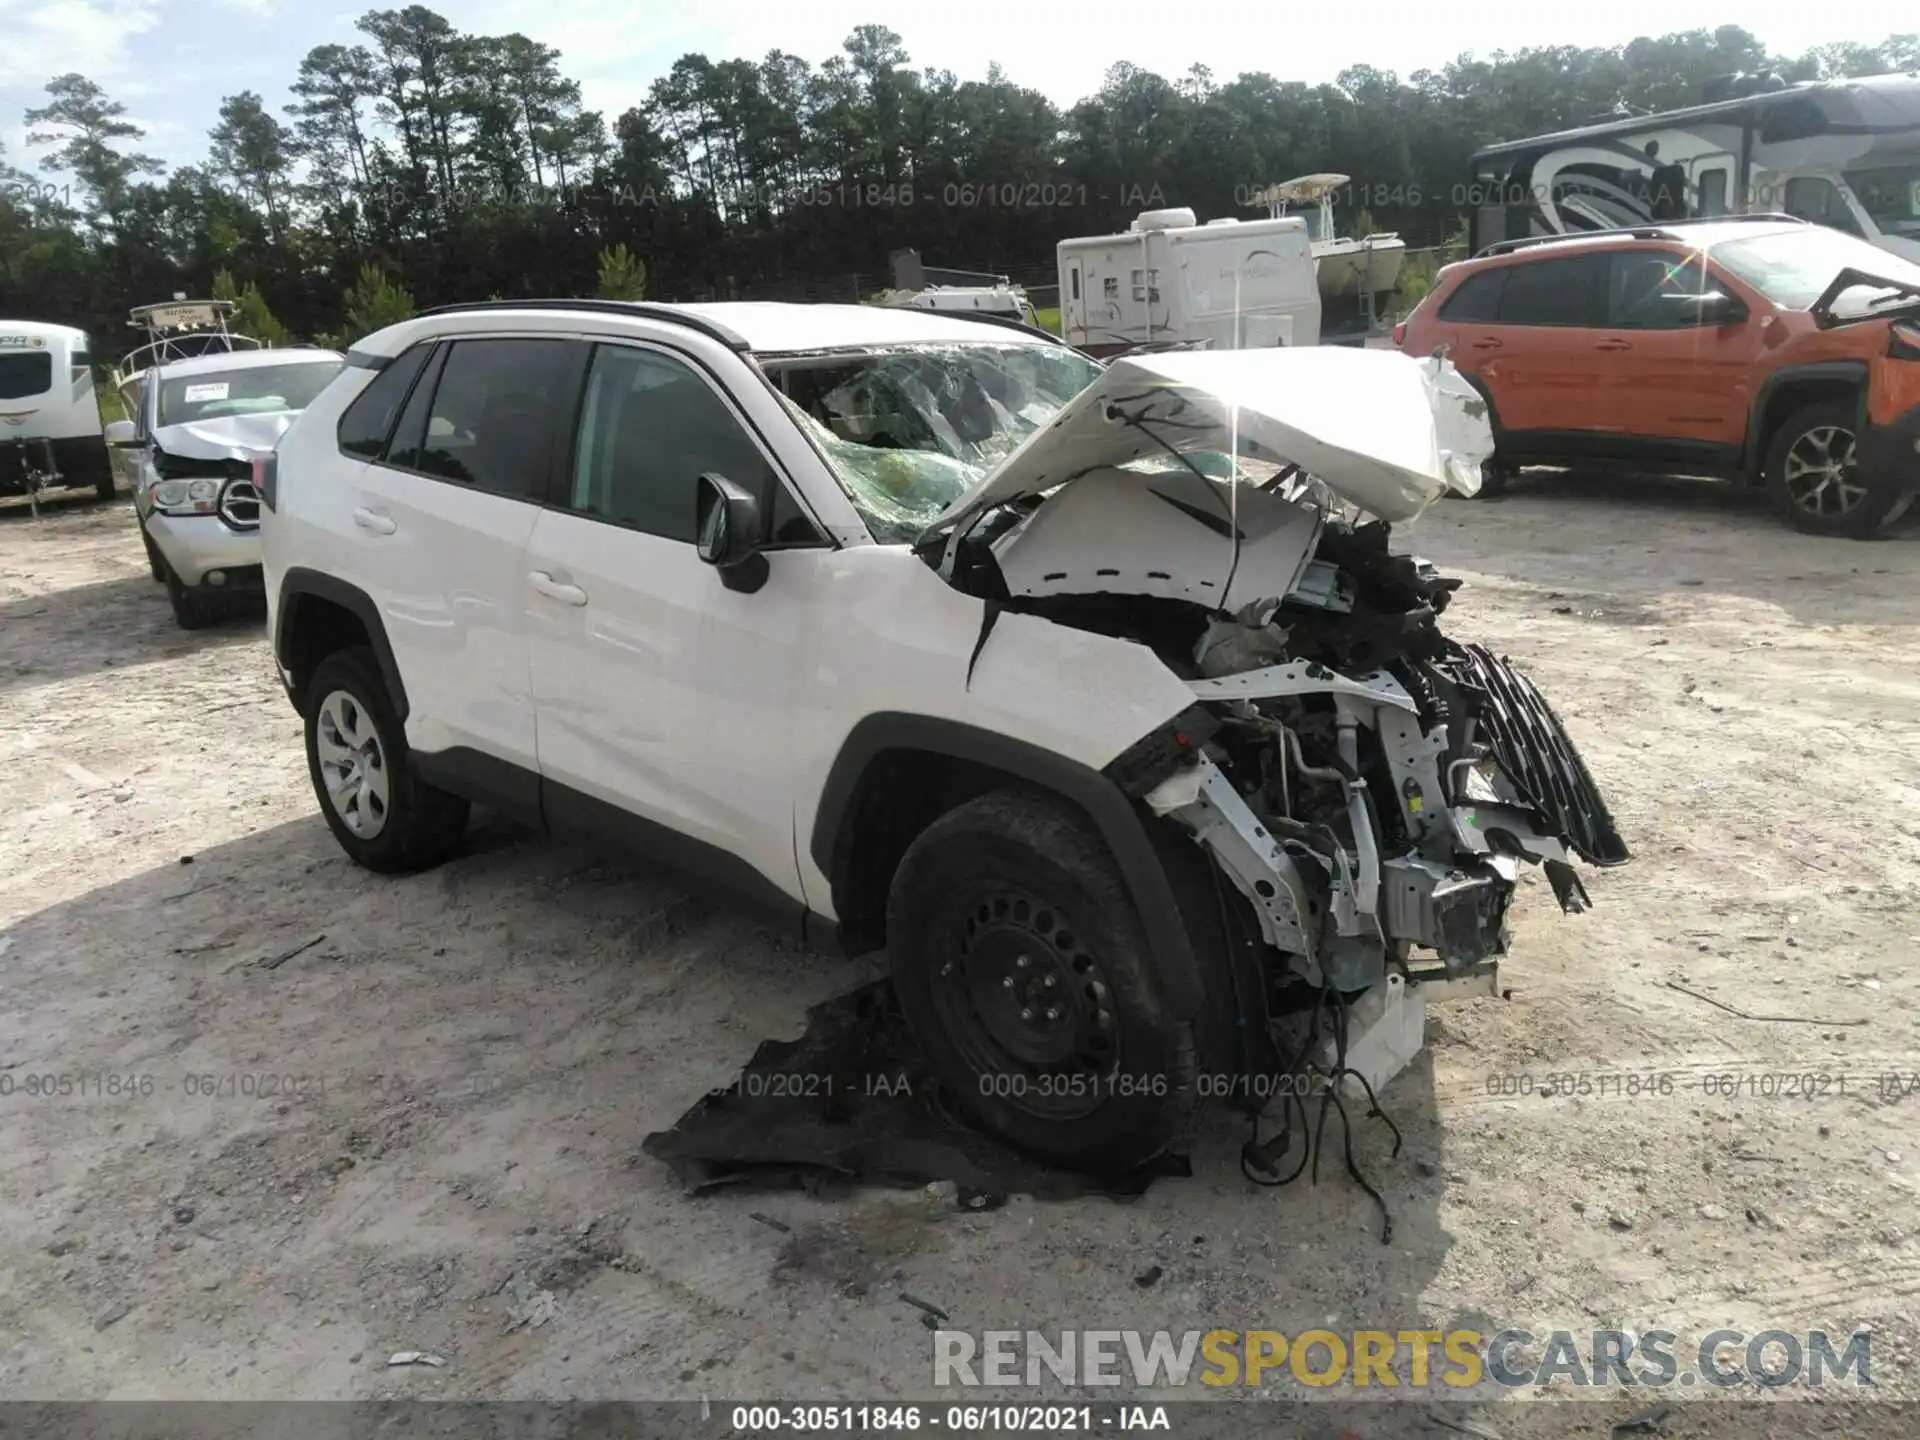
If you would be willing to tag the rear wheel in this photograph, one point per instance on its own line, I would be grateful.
(383, 814)
(103, 483)
(1022, 967)
(1813, 475)
(1493, 479)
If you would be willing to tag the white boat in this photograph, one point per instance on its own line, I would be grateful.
(176, 329)
(1347, 268)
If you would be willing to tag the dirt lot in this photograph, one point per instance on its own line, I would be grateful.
(472, 1056)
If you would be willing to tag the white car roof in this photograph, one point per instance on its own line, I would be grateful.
(224, 360)
(767, 327)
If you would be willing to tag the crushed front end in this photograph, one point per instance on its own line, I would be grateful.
(1374, 788)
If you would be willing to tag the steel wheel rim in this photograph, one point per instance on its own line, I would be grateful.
(353, 764)
(1043, 1036)
(1820, 472)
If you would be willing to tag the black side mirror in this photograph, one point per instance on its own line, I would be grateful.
(729, 532)
(1714, 307)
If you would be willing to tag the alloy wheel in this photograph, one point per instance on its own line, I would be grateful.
(1822, 472)
(353, 765)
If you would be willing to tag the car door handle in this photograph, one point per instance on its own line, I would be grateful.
(554, 590)
(1487, 345)
(1613, 345)
(367, 520)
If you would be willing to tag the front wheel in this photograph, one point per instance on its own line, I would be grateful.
(383, 814)
(1813, 475)
(1022, 967)
(193, 609)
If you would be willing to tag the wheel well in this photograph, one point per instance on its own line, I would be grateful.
(1781, 403)
(318, 628)
(900, 793)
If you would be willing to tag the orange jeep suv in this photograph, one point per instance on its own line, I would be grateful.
(1757, 348)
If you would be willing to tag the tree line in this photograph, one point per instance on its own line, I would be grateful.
(419, 164)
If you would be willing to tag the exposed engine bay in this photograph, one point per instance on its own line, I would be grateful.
(1368, 785)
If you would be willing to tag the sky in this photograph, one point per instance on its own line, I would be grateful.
(170, 63)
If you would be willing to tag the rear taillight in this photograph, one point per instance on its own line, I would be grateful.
(266, 479)
(1400, 333)
(1903, 341)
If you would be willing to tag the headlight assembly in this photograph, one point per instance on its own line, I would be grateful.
(185, 497)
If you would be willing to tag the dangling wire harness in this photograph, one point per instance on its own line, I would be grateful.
(1257, 1158)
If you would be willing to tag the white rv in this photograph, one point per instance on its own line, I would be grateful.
(1227, 285)
(50, 434)
(1842, 153)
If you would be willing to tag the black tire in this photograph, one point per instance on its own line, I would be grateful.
(1019, 885)
(155, 561)
(192, 609)
(1493, 480)
(419, 825)
(103, 484)
(1821, 508)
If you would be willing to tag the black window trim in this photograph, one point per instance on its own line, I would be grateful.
(560, 479)
(436, 365)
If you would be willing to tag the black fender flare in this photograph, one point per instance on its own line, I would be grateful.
(1112, 814)
(1848, 372)
(299, 584)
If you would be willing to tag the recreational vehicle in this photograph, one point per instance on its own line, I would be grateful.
(50, 433)
(1169, 280)
(1843, 153)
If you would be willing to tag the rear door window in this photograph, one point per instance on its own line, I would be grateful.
(25, 373)
(491, 421)
(1566, 291)
(1477, 301)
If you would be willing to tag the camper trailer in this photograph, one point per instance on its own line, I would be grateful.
(50, 435)
(1844, 153)
(1169, 280)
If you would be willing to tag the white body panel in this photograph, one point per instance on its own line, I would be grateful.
(65, 407)
(446, 566)
(1247, 285)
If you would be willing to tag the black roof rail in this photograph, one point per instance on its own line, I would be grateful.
(641, 309)
(1661, 231)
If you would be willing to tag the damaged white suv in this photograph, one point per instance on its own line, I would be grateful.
(934, 635)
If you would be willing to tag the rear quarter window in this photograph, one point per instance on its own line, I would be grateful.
(368, 420)
(1476, 300)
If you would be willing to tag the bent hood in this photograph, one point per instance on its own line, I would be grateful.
(1387, 432)
(231, 437)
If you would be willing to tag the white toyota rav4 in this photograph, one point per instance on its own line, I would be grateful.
(1093, 695)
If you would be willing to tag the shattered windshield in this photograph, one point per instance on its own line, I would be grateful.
(909, 429)
(1794, 268)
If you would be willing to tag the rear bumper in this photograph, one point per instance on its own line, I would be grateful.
(1889, 454)
(197, 544)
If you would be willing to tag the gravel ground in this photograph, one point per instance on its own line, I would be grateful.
(422, 1131)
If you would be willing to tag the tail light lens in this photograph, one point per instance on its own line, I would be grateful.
(266, 479)
(1903, 343)
(1400, 333)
